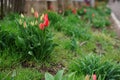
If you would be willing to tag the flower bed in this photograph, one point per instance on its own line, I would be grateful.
(81, 42)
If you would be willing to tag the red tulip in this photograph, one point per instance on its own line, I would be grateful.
(46, 20)
(74, 11)
(36, 14)
(41, 26)
(46, 17)
(94, 77)
(46, 23)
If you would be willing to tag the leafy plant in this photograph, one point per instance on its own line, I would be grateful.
(28, 36)
(7, 40)
(82, 11)
(93, 64)
(100, 22)
(59, 76)
(68, 12)
(35, 41)
(54, 17)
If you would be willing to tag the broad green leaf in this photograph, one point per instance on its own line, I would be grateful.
(59, 75)
(48, 76)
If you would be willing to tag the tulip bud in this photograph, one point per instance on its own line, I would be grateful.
(22, 16)
(32, 23)
(41, 18)
(36, 15)
(32, 10)
(87, 77)
(41, 26)
(94, 77)
(25, 25)
(20, 22)
(36, 22)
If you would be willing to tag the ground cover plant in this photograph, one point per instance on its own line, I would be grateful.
(72, 46)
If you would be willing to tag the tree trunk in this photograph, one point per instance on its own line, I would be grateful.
(2, 12)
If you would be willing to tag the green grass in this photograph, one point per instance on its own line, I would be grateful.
(21, 74)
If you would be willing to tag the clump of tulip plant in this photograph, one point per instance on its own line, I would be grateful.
(35, 38)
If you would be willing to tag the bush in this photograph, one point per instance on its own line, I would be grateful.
(92, 64)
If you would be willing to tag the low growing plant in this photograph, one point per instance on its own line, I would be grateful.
(92, 64)
(60, 76)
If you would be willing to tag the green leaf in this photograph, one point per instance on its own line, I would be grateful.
(71, 76)
(48, 76)
(20, 42)
(59, 75)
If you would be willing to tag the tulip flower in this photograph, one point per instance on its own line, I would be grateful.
(41, 26)
(32, 23)
(46, 23)
(24, 24)
(36, 15)
(20, 22)
(46, 17)
(74, 11)
(94, 77)
(46, 20)
(32, 10)
(87, 77)
(22, 16)
(41, 18)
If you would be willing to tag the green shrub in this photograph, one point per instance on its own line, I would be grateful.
(91, 64)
